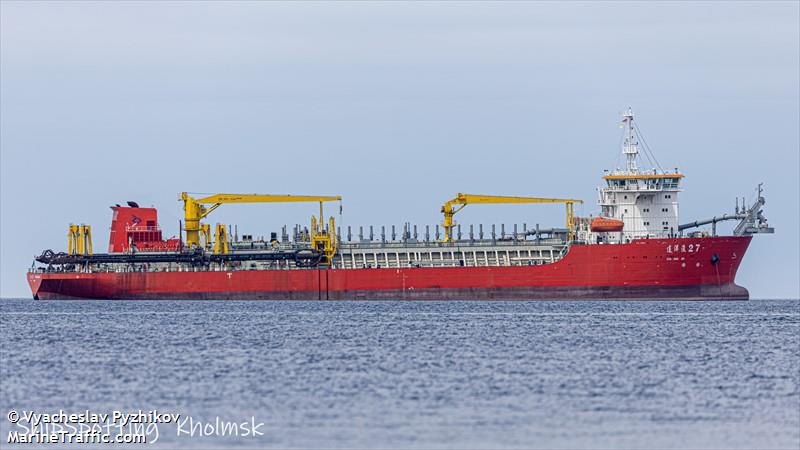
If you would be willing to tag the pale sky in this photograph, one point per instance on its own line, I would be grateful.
(396, 107)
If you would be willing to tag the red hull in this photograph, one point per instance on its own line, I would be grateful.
(643, 269)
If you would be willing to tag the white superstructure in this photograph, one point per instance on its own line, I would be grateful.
(645, 201)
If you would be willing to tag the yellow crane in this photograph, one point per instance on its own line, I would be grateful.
(451, 207)
(195, 210)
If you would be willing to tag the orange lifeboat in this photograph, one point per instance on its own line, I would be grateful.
(602, 224)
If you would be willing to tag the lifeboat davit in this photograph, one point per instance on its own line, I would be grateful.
(602, 224)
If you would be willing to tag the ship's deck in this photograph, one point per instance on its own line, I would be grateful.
(349, 255)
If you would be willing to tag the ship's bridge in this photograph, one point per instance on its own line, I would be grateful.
(652, 182)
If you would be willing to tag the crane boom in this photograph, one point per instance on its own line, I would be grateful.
(265, 198)
(450, 208)
(194, 211)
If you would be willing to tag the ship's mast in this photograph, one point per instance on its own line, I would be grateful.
(630, 147)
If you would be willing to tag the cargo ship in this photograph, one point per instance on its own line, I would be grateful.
(634, 248)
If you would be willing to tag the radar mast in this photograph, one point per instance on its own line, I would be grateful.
(630, 146)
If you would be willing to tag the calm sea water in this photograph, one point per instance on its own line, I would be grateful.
(418, 374)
